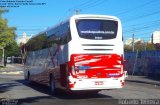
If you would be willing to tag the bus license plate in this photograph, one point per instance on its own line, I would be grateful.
(99, 83)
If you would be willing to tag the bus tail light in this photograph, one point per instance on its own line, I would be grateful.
(73, 70)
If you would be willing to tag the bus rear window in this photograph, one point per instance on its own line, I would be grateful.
(97, 29)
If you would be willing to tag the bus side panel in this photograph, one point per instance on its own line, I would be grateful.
(37, 64)
(62, 62)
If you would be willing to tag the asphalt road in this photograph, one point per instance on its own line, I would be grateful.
(17, 91)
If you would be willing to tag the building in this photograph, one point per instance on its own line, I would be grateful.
(155, 37)
(23, 39)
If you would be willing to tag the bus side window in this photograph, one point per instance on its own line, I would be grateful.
(65, 39)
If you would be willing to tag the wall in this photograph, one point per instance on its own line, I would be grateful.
(143, 63)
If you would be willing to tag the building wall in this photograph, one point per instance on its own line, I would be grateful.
(23, 39)
(156, 37)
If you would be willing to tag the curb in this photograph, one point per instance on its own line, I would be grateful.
(11, 72)
(144, 82)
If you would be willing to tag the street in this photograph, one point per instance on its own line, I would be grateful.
(13, 87)
(98, 52)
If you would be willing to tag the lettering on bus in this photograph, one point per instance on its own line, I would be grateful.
(97, 32)
(101, 29)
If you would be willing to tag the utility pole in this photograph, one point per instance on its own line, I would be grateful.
(133, 42)
(77, 11)
(145, 45)
(135, 62)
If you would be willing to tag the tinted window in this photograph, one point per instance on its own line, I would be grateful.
(59, 35)
(37, 43)
(97, 29)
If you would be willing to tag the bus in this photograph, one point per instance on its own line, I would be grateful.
(83, 53)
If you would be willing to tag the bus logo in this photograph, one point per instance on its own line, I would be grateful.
(98, 38)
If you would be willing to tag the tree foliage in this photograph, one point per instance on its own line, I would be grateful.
(150, 46)
(157, 46)
(12, 49)
(7, 36)
(127, 48)
(141, 46)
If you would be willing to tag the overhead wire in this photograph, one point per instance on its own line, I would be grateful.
(84, 5)
(135, 8)
(94, 4)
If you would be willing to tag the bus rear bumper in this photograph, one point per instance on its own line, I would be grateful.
(96, 84)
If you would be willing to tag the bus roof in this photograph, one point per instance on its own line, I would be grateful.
(95, 16)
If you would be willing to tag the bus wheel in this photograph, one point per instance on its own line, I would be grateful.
(28, 76)
(52, 86)
(28, 79)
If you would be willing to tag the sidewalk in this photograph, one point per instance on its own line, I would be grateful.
(12, 69)
(142, 79)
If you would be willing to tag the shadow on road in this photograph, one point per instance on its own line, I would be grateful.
(37, 99)
(48, 100)
(4, 87)
(61, 94)
(62, 98)
(153, 78)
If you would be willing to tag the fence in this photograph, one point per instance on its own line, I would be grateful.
(143, 63)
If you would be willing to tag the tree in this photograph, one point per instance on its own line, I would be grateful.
(12, 49)
(150, 46)
(140, 46)
(157, 46)
(2, 11)
(7, 34)
(127, 48)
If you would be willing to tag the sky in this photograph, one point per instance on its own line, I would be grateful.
(138, 17)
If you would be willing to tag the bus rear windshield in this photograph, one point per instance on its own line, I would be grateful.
(97, 29)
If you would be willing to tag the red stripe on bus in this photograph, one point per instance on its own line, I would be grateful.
(100, 66)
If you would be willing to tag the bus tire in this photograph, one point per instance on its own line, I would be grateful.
(52, 86)
(28, 76)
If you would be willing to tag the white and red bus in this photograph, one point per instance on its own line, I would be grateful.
(83, 53)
